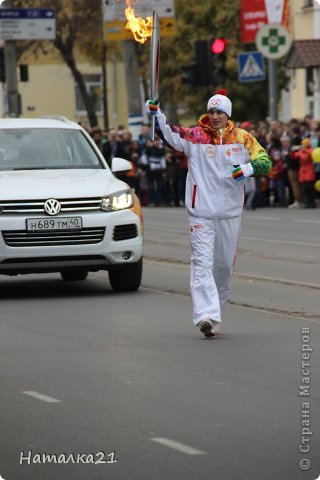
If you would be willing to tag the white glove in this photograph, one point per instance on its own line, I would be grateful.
(152, 107)
(242, 171)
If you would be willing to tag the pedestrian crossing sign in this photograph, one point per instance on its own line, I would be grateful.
(251, 67)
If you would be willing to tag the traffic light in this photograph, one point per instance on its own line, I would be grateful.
(202, 57)
(24, 72)
(209, 68)
(196, 74)
(190, 76)
(218, 59)
(2, 66)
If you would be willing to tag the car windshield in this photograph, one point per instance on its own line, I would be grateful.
(44, 148)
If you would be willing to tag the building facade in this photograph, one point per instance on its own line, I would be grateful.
(303, 61)
(51, 90)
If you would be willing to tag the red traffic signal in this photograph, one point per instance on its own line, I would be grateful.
(218, 59)
(218, 45)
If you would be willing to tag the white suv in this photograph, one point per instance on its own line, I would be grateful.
(62, 209)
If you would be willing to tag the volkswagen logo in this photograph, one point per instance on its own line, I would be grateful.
(52, 206)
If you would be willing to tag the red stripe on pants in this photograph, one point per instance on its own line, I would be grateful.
(194, 194)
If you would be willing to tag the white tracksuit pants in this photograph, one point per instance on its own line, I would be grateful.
(213, 254)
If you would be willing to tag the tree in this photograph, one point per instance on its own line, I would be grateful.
(78, 33)
(204, 20)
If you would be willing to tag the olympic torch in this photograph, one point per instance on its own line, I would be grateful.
(154, 65)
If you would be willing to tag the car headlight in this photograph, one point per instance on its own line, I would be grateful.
(118, 201)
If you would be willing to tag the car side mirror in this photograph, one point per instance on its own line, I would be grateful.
(120, 165)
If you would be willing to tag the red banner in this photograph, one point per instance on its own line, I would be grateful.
(256, 13)
(253, 17)
(286, 17)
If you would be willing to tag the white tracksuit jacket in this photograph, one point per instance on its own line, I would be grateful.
(214, 201)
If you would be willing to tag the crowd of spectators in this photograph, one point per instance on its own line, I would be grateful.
(158, 173)
(291, 182)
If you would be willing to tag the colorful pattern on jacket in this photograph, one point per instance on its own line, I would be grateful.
(261, 163)
(211, 190)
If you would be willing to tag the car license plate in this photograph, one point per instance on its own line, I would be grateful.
(60, 223)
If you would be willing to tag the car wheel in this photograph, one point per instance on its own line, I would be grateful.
(127, 278)
(74, 275)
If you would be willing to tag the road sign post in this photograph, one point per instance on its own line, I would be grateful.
(21, 24)
(27, 24)
(273, 90)
(273, 41)
(12, 95)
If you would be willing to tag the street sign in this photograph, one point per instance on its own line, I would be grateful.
(273, 41)
(27, 24)
(115, 19)
(114, 9)
(251, 67)
(114, 31)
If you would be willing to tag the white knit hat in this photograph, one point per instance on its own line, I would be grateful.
(221, 102)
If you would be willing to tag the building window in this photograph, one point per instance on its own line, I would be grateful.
(94, 87)
(310, 81)
(311, 88)
(307, 3)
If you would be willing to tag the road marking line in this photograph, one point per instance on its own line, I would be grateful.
(278, 314)
(235, 305)
(259, 239)
(285, 242)
(305, 221)
(255, 217)
(284, 281)
(180, 447)
(42, 397)
(180, 232)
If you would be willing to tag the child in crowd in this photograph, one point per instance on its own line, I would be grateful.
(307, 175)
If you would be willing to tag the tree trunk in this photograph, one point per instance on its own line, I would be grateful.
(87, 100)
(172, 114)
(66, 50)
(133, 87)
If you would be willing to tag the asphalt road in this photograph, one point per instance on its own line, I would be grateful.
(91, 376)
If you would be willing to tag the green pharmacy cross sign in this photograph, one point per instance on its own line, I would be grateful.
(273, 41)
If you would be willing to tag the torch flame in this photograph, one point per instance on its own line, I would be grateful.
(140, 28)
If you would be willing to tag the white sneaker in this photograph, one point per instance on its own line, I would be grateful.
(206, 327)
(294, 205)
(216, 326)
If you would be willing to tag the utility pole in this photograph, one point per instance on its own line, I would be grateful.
(115, 92)
(11, 72)
(104, 84)
(273, 90)
(104, 73)
(133, 87)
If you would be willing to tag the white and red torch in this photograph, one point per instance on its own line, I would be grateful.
(142, 29)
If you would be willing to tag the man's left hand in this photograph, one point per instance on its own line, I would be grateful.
(242, 171)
